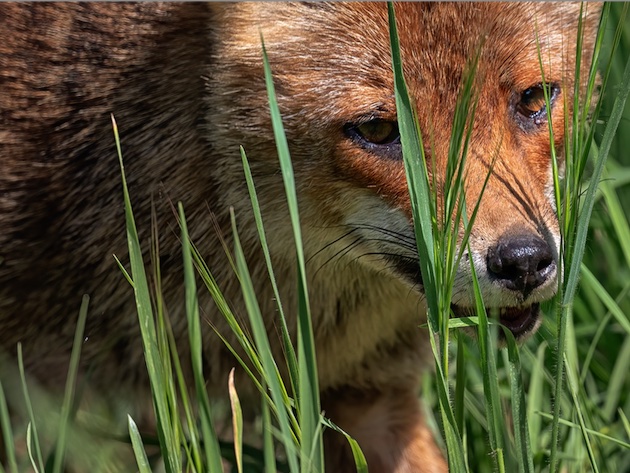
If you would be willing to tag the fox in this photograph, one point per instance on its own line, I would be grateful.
(185, 82)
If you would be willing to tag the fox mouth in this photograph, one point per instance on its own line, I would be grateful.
(520, 320)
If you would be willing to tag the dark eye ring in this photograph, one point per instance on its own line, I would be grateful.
(376, 132)
(532, 104)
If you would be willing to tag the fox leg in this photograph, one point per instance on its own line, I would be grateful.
(389, 428)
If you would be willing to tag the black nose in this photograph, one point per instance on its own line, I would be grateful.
(521, 262)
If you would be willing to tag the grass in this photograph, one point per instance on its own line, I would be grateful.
(560, 402)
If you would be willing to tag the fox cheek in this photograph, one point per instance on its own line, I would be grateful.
(383, 177)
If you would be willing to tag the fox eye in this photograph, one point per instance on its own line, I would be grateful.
(532, 103)
(378, 132)
(378, 136)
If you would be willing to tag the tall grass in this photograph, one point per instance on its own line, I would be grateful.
(569, 406)
(558, 403)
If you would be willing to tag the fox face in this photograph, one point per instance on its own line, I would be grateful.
(186, 84)
(335, 88)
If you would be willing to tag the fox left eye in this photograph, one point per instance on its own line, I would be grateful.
(378, 136)
(378, 132)
(532, 103)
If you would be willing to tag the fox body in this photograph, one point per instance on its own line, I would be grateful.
(186, 85)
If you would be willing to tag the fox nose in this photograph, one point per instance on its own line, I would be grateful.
(521, 262)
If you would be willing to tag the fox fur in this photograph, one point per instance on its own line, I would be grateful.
(185, 82)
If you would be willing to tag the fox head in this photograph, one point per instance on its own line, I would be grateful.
(333, 74)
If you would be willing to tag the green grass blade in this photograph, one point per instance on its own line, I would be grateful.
(618, 382)
(153, 359)
(522, 445)
(224, 309)
(535, 395)
(268, 448)
(573, 390)
(245, 367)
(417, 175)
(286, 338)
(494, 413)
(68, 398)
(460, 382)
(617, 217)
(626, 426)
(312, 440)
(357, 453)
(270, 370)
(138, 447)
(193, 445)
(609, 302)
(7, 433)
(308, 401)
(243, 339)
(454, 445)
(424, 218)
(211, 445)
(463, 322)
(32, 440)
(592, 432)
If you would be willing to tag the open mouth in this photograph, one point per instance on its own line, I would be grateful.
(520, 320)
